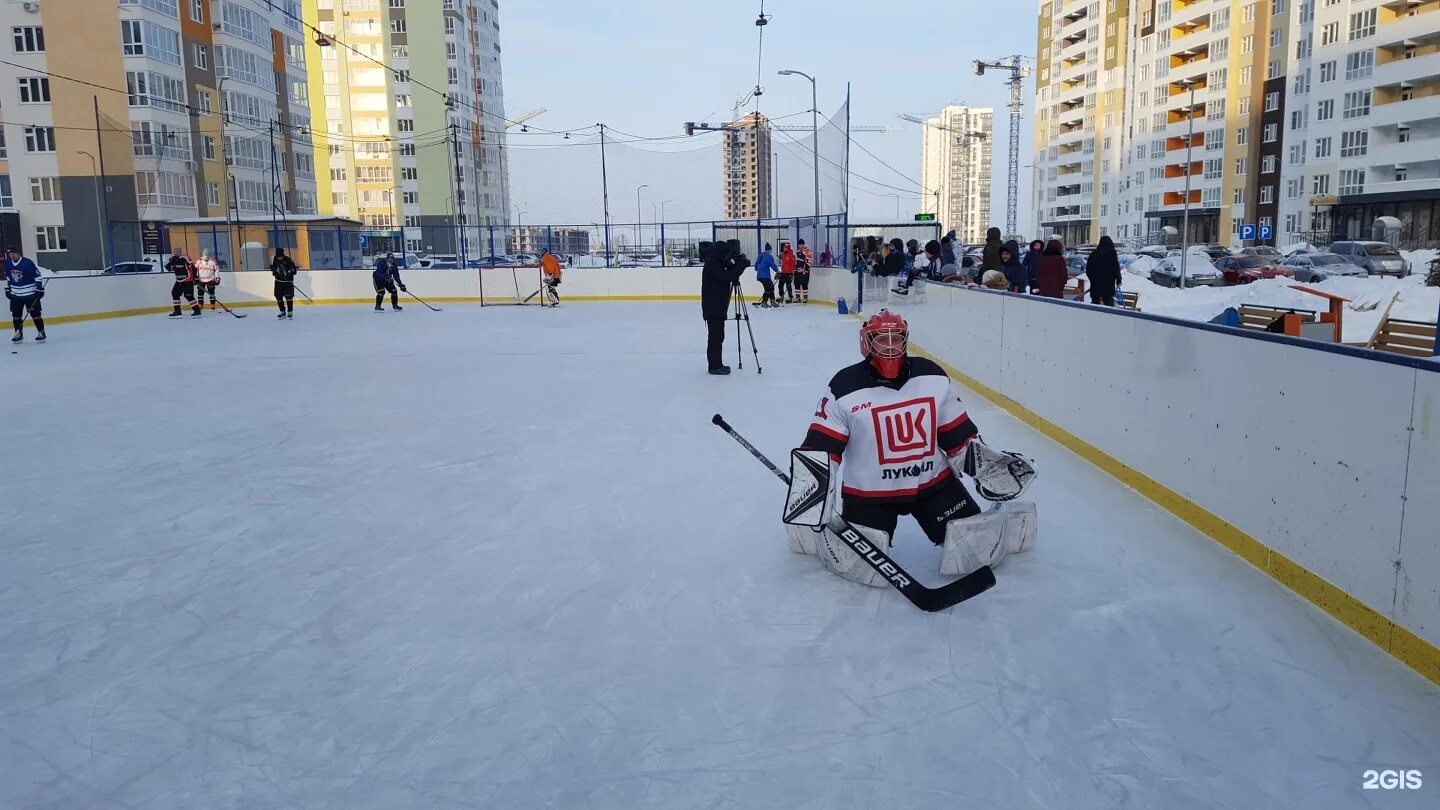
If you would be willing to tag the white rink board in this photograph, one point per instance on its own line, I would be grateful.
(1304, 450)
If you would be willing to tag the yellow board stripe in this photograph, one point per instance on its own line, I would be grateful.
(1410, 649)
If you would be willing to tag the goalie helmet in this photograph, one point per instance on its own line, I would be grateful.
(884, 338)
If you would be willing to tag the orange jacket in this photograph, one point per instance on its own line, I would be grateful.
(549, 265)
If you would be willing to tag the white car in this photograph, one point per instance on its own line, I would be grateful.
(1199, 271)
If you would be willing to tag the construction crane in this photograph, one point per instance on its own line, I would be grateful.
(970, 228)
(520, 120)
(1018, 71)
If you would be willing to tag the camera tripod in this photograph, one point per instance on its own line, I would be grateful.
(742, 313)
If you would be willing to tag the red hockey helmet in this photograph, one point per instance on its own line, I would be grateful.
(883, 340)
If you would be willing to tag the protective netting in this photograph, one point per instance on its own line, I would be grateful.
(794, 154)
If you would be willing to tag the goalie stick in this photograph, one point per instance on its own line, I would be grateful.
(925, 598)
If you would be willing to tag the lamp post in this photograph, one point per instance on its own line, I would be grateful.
(99, 208)
(228, 179)
(1185, 217)
(519, 222)
(638, 216)
(814, 136)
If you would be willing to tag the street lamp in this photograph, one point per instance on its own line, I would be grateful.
(638, 216)
(519, 221)
(814, 136)
(228, 179)
(99, 207)
(1189, 147)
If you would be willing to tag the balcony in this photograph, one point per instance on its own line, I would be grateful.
(1175, 143)
(1198, 52)
(1417, 69)
(1197, 25)
(1178, 197)
(1174, 170)
(1421, 184)
(1416, 154)
(1079, 12)
(1392, 112)
(1407, 19)
(1071, 39)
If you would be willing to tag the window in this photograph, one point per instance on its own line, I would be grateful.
(1307, 11)
(202, 101)
(1245, 75)
(34, 90)
(1270, 133)
(409, 173)
(1239, 198)
(1294, 187)
(49, 238)
(1272, 71)
(1325, 110)
(1355, 143)
(402, 76)
(44, 189)
(1215, 140)
(39, 139)
(1247, 14)
(1210, 197)
(201, 57)
(1327, 72)
(338, 175)
(1277, 37)
(1330, 33)
(1299, 119)
(1217, 79)
(1267, 195)
(1214, 168)
(1357, 104)
(1215, 110)
(405, 124)
(1268, 164)
(169, 189)
(1245, 105)
(212, 193)
(1304, 47)
(131, 39)
(197, 11)
(7, 199)
(1352, 181)
(1320, 184)
(29, 39)
(1242, 136)
(410, 197)
(1302, 82)
(1220, 49)
(1220, 19)
(1402, 173)
(1362, 24)
(208, 150)
(1297, 153)
(1359, 64)
(170, 9)
(407, 150)
(397, 25)
(1247, 44)
(1322, 148)
(1242, 166)
(1272, 101)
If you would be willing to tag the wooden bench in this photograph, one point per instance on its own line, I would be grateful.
(1128, 300)
(1259, 319)
(1397, 336)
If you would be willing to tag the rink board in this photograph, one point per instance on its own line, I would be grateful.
(1317, 466)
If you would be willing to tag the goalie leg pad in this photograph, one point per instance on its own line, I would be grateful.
(986, 539)
(802, 539)
(837, 556)
(1020, 525)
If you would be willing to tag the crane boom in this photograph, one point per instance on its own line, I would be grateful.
(1018, 71)
(519, 120)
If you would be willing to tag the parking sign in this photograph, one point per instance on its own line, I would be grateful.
(1247, 233)
(1266, 232)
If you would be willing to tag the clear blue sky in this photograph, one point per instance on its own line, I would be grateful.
(647, 67)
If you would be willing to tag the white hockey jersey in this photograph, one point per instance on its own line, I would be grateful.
(893, 437)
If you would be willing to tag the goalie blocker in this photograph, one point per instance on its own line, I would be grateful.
(892, 438)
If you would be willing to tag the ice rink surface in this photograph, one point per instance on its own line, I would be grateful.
(502, 559)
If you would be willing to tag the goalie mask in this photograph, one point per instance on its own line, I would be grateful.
(883, 341)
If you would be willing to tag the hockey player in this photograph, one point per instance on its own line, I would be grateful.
(386, 278)
(785, 290)
(24, 287)
(803, 259)
(898, 437)
(207, 278)
(184, 285)
(283, 268)
(550, 272)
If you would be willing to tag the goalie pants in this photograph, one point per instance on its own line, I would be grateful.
(946, 501)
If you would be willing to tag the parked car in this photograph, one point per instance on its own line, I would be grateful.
(1248, 269)
(1154, 251)
(1198, 272)
(496, 261)
(1260, 250)
(130, 268)
(1377, 258)
(1320, 266)
(1214, 251)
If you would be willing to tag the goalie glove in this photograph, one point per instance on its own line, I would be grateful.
(1000, 475)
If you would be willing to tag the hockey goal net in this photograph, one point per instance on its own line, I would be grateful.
(521, 285)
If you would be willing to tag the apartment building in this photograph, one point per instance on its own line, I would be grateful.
(129, 112)
(955, 169)
(413, 128)
(1361, 119)
(749, 178)
(1313, 118)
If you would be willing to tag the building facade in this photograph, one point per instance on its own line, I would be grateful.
(409, 99)
(130, 112)
(1310, 118)
(955, 169)
(749, 174)
(570, 241)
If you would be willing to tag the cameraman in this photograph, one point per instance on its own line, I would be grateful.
(718, 282)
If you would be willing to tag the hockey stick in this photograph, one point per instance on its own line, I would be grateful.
(228, 309)
(927, 599)
(303, 295)
(417, 298)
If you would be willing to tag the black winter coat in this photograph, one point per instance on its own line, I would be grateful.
(1103, 270)
(720, 273)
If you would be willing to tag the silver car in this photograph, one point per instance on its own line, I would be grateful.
(1320, 266)
(1377, 258)
(1198, 273)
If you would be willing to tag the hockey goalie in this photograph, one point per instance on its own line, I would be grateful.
(892, 438)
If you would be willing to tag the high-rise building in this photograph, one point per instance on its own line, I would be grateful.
(749, 178)
(117, 116)
(955, 169)
(1310, 118)
(413, 132)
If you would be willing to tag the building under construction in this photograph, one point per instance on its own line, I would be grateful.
(749, 186)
